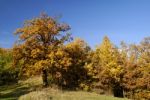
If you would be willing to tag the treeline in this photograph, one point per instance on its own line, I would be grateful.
(8, 74)
(46, 48)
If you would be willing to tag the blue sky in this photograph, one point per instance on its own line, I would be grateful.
(91, 20)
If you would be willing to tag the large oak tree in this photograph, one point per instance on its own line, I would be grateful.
(38, 37)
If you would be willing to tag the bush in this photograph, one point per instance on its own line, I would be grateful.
(8, 76)
(142, 95)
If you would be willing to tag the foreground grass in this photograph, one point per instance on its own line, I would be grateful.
(14, 91)
(32, 90)
(50, 94)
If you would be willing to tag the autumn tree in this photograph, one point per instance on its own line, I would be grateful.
(136, 78)
(108, 65)
(78, 51)
(5, 58)
(8, 74)
(68, 61)
(37, 38)
(143, 81)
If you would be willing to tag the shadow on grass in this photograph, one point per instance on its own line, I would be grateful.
(13, 92)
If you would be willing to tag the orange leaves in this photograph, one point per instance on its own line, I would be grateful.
(35, 53)
(42, 64)
(44, 27)
(38, 38)
(60, 58)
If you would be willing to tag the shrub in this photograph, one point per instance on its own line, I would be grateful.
(8, 76)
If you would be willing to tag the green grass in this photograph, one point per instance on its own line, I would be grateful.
(14, 91)
(31, 90)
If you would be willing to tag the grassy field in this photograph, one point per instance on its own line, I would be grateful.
(32, 90)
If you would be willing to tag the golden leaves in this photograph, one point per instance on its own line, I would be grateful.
(38, 37)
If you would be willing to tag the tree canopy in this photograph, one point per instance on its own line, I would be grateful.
(37, 38)
(45, 47)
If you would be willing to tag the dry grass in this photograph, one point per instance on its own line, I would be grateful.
(55, 94)
(31, 90)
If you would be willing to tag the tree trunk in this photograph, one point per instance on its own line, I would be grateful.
(118, 91)
(44, 77)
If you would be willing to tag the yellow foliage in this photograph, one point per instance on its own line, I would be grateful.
(38, 40)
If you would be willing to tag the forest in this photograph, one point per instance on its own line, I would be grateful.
(46, 48)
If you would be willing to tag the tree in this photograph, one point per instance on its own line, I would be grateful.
(37, 39)
(136, 78)
(68, 61)
(78, 51)
(109, 66)
(7, 73)
(143, 82)
(5, 58)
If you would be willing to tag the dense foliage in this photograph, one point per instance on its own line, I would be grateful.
(37, 39)
(8, 74)
(108, 67)
(137, 70)
(42, 50)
